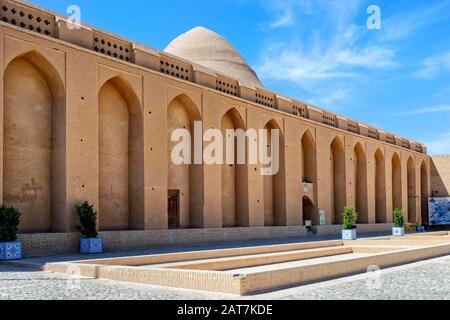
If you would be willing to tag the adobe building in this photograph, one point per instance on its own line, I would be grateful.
(88, 115)
(440, 176)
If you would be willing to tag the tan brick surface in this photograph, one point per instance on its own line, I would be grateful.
(440, 176)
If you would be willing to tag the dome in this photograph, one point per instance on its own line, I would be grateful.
(209, 49)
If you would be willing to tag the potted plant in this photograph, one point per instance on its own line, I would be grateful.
(349, 225)
(10, 248)
(399, 223)
(91, 243)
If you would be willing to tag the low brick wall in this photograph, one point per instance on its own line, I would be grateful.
(68, 243)
(362, 228)
(45, 244)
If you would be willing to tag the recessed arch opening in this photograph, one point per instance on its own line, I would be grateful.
(120, 157)
(338, 185)
(185, 179)
(34, 131)
(234, 183)
(274, 185)
(380, 187)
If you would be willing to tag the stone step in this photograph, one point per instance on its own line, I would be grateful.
(257, 260)
(211, 254)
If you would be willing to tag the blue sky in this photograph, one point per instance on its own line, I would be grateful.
(319, 51)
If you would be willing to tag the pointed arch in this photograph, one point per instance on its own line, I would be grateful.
(47, 70)
(360, 185)
(380, 187)
(121, 202)
(234, 113)
(274, 185)
(34, 142)
(234, 187)
(309, 165)
(189, 105)
(338, 185)
(412, 196)
(424, 192)
(397, 201)
(186, 180)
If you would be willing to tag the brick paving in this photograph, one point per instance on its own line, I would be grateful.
(423, 280)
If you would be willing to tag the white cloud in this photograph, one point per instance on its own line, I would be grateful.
(334, 49)
(284, 20)
(435, 109)
(332, 96)
(434, 65)
(283, 62)
(439, 146)
(372, 57)
(402, 25)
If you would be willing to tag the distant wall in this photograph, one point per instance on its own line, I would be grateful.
(440, 176)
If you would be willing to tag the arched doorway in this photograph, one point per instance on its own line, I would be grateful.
(233, 176)
(360, 191)
(34, 142)
(424, 192)
(120, 156)
(412, 218)
(397, 202)
(309, 165)
(337, 160)
(309, 211)
(184, 180)
(274, 190)
(380, 188)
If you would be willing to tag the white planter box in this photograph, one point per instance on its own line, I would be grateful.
(398, 232)
(349, 234)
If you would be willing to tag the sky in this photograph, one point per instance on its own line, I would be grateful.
(396, 77)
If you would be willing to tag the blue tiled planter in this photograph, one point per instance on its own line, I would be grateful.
(91, 245)
(10, 250)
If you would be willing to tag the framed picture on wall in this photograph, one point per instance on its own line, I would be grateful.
(439, 210)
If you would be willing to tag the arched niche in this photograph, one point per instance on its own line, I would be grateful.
(380, 187)
(186, 180)
(397, 202)
(309, 165)
(121, 167)
(424, 191)
(34, 124)
(338, 185)
(411, 168)
(234, 184)
(360, 187)
(274, 185)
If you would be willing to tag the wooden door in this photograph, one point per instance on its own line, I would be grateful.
(173, 209)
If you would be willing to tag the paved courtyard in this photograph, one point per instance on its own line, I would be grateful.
(429, 279)
(419, 281)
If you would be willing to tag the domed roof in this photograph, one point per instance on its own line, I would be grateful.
(209, 49)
